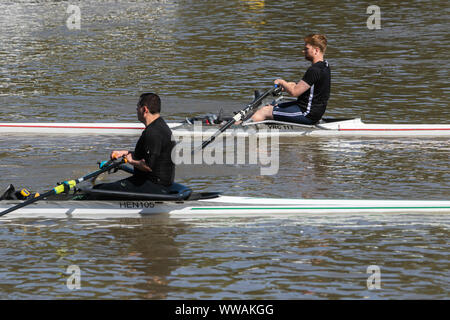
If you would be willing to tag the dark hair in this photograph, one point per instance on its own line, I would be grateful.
(151, 101)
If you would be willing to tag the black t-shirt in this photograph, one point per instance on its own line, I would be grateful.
(155, 146)
(313, 101)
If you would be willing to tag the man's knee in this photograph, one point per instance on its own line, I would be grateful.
(263, 113)
(267, 109)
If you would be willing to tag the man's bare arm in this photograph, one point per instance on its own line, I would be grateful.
(139, 164)
(292, 88)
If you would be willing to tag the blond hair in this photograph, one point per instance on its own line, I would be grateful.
(318, 41)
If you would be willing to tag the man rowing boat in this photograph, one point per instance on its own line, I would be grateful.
(154, 170)
(312, 92)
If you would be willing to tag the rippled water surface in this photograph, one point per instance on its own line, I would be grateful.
(201, 56)
(303, 258)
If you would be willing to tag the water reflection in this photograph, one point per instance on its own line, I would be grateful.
(148, 260)
(114, 263)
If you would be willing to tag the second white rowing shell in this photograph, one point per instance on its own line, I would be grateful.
(352, 127)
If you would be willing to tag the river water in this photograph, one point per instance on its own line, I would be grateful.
(200, 56)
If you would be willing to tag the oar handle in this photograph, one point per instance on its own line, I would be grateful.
(111, 164)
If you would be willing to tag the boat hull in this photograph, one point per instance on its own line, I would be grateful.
(346, 128)
(222, 206)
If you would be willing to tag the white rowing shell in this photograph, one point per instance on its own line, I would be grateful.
(353, 127)
(223, 206)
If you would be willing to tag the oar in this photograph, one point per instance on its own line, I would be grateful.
(67, 185)
(275, 90)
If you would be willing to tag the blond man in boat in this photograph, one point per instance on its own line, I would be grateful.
(312, 91)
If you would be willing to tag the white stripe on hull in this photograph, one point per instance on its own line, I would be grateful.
(353, 127)
(222, 206)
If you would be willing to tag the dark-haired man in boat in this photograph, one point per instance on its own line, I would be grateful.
(312, 92)
(154, 170)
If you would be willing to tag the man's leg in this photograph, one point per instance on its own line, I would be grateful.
(290, 112)
(263, 114)
(132, 184)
